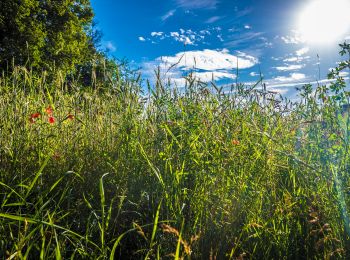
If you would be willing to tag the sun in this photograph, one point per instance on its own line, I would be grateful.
(324, 21)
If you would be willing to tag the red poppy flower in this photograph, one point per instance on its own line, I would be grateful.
(51, 120)
(71, 117)
(235, 142)
(49, 110)
(35, 115)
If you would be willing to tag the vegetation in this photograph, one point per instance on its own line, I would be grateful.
(173, 173)
(53, 36)
(45, 34)
(92, 166)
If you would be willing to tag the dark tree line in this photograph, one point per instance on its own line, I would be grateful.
(51, 35)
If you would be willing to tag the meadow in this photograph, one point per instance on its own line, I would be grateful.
(120, 172)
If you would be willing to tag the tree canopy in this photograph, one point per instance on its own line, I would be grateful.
(46, 34)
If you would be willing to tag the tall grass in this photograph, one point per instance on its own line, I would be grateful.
(190, 173)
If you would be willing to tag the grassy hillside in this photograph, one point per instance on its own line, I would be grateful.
(190, 173)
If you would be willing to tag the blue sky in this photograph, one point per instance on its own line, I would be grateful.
(283, 40)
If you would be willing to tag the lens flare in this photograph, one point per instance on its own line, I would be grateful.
(324, 21)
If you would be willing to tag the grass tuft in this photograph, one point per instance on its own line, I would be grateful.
(185, 173)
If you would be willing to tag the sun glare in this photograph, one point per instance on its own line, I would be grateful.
(324, 21)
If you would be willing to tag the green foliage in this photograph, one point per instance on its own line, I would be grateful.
(46, 34)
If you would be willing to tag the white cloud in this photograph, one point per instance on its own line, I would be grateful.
(197, 4)
(297, 59)
(302, 51)
(254, 74)
(211, 60)
(174, 34)
(276, 89)
(168, 15)
(289, 67)
(290, 40)
(233, 29)
(205, 65)
(213, 75)
(110, 46)
(291, 59)
(187, 39)
(294, 38)
(291, 84)
(288, 84)
(213, 19)
(142, 39)
(276, 58)
(205, 32)
(343, 73)
(153, 34)
(292, 77)
(247, 27)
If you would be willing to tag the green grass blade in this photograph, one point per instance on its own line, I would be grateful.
(38, 174)
(155, 225)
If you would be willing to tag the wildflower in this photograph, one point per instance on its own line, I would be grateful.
(49, 110)
(51, 120)
(235, 142)
(70, 117)
(35, 115)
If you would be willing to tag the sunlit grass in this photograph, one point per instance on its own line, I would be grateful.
(171, 174)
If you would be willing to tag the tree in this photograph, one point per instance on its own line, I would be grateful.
(46, 34)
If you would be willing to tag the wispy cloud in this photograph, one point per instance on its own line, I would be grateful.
(213, 75)
(291, 59)
(254, 74)
(289, 67)
(156, 34)
(141, 39)
(291, 77)
(241, 13)
(110, 46)
(219, 36)
(289, 40)
(293, 38)
(288, 84)
(343, 74)
(302, 51)
(213, 19)
(182, 38)
(244, 39)
(188, 37)
(168, 15)
(197, 4)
